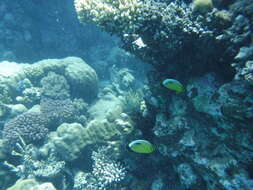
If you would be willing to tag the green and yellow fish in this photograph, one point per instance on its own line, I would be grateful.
(141, 146)
(174, 85)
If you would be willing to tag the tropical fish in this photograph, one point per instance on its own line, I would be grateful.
(173, 84)
(141, 146)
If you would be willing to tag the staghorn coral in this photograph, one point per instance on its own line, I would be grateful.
(31, 126)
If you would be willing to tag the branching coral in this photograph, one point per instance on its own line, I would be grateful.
(106, 174)
(103, 12)
(106, 171)
(31, 163)
(30, 125)
(57, 111)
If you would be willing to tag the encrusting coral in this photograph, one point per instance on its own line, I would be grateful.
(96, 131)
(202, 6)
(28, 184)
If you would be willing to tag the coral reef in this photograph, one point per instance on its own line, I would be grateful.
(57, 111)
(99, 130)
(187, 176)
(122, 79)
(244, 64)
(82, 79)
(202, 6)
(104, 11)
(33, 166)
(172, 27)
(203, 136)
(54, 86)
(30, 125)
(30, 96)
(106, 173)
(29, 184)
(67, 141)
(80, 76)
(235, 101)
(205, 132)
(4, 94)
(132, 102)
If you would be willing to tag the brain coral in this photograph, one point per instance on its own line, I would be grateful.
(82, 79)
(55, 86)
(67, 140)
(31, 126)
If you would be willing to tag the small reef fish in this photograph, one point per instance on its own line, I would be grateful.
(173, 84)
(141, 146)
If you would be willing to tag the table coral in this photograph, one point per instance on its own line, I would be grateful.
(103, 12)
(161, 27)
